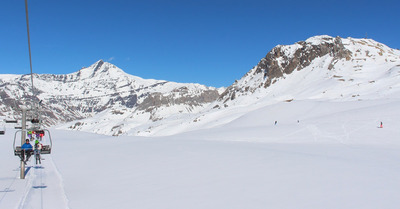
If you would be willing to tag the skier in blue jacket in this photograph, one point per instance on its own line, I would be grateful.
(26, 149)
(27, 145)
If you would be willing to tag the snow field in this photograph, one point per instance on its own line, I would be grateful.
(334, 157)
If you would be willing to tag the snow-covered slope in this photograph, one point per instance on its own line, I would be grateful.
(334, 157)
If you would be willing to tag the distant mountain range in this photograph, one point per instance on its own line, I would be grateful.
(105, 100)
(102, 88)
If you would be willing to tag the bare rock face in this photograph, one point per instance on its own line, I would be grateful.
(301, 58)
(156, 99)
(283, 60)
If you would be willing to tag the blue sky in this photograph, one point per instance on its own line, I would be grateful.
(211, 42)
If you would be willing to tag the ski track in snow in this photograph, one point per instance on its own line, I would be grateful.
(8, 186)
(43, 188)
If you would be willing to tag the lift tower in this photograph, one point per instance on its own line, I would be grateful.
(23, 137)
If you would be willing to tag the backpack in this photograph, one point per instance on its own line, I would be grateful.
(38, 146)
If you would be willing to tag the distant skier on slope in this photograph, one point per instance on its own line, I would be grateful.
(381, 125)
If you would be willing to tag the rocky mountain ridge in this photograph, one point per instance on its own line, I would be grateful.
(337, 58)
(100, 87)
(105, 100)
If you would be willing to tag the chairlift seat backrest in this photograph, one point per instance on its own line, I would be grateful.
(35, 121)
(11, 121)
(46, 149)
(17, 151)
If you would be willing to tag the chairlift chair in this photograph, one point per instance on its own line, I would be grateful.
(46, 148)
(35, 120)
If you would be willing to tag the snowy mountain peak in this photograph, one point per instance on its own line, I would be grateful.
(97, 65)
(321, 39)
(337, 62)
(103, 90)
(100, 70)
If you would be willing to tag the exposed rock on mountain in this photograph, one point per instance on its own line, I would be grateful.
(100, 87)
(105, 100)
(327, 54)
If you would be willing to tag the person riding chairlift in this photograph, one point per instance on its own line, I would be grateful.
(26, 149)
(38, 148)
(30, 134)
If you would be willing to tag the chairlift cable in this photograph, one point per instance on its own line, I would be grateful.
(29, 45)
(21, 151)
(35, 107)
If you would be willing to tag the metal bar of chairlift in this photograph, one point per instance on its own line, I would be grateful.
(11, 121)
(17, 149)
(46, 149)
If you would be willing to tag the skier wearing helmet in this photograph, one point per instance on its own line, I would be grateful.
(38, 148)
